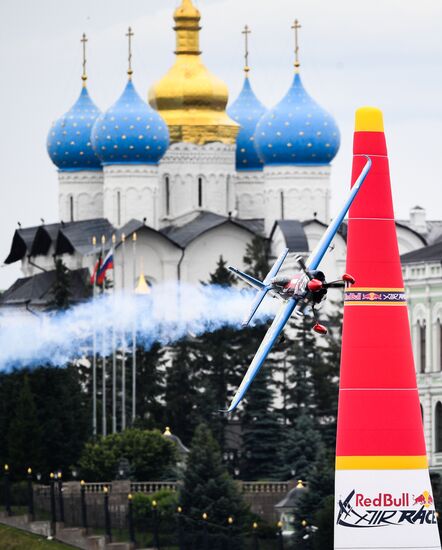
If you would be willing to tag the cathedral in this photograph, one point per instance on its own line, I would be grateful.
(173, 183)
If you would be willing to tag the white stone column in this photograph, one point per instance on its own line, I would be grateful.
(250, 194)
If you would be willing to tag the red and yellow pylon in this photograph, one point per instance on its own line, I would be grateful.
(383, 491)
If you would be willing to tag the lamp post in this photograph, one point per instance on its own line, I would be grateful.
(130, 518)
(255, 536)
(7, 481)
(53, 511)
(60, 496)
(180, 528)
(230, 531)
(280, 536)
(30, 495)
(156, 538)
(83, 504)
(205, 532)
(107, 519)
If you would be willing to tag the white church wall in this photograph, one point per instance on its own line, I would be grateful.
(196, 177)
(202, 254)
(155, 256)
(296, 192)
(131, 191)
(80, 195)
(250, 194)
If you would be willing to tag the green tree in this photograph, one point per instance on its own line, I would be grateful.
(24, 435)
(261, 430)
(206, 487)
(222, 276)
(300, 449)
(256, 258)
(150, 455)
(182, 389)
(150, 387)
(61, 289)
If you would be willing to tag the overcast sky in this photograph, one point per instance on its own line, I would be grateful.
(386, 53)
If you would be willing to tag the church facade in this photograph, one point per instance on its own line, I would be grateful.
(173, 183)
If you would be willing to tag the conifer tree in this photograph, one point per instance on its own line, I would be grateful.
(222, 276)
(261, 430)
(61, 290)
(150, 387)
(256, 258)
(301, 448)
(25, 435)
(182, 389)
(207, 488)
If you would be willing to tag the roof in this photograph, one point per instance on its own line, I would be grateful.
(68, 238)
(432, 253)
(205, 221)
(77, 236)
(294, 234)
(21, 244)
(37, 290)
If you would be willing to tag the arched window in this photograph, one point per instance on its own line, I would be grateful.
(118, 208)
(423, 346)
(438, 427)
(200, 192)
(422, 413)
(71, 208)
(282, 204)
(228, 194)
(167, 194)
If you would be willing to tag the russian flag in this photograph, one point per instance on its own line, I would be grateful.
(107, 264)
(96, 271)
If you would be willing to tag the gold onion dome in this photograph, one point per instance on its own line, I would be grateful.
(190, 98)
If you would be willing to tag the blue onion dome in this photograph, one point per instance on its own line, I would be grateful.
(297, 131)
(130, 132)
(69, 140)
(247, 110)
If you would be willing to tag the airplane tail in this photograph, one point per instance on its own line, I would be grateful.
(262, 287)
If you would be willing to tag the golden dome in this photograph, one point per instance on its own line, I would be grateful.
(192, 100)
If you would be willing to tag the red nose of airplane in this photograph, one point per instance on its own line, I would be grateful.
(314, 285)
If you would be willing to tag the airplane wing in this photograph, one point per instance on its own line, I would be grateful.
(270, 338)
(321, 248)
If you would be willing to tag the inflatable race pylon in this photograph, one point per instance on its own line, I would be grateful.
(383, 496)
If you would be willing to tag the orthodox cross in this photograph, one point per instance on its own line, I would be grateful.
(295, 27)
(84, 75)
(129, 35)
(246, 33)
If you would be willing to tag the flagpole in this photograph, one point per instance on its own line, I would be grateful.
(123, 243)
(114, 356)
(134, 372)
(104, 419)
(94, 358)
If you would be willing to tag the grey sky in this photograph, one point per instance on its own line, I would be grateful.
(386, 53)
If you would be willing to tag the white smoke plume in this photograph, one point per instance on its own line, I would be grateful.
(169, 313)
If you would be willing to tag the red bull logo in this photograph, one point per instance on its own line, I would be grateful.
(424, 499)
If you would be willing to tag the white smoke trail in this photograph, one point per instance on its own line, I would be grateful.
(166, 315)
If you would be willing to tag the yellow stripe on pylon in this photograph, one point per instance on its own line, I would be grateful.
(381, 462)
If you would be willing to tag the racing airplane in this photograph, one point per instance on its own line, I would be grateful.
(307, 288)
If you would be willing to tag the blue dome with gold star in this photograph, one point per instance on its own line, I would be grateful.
(297, 131)
(69, 140)
(130, 132)
(247, 110)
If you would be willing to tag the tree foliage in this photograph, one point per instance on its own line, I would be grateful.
(206, 487)
(150, 455)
